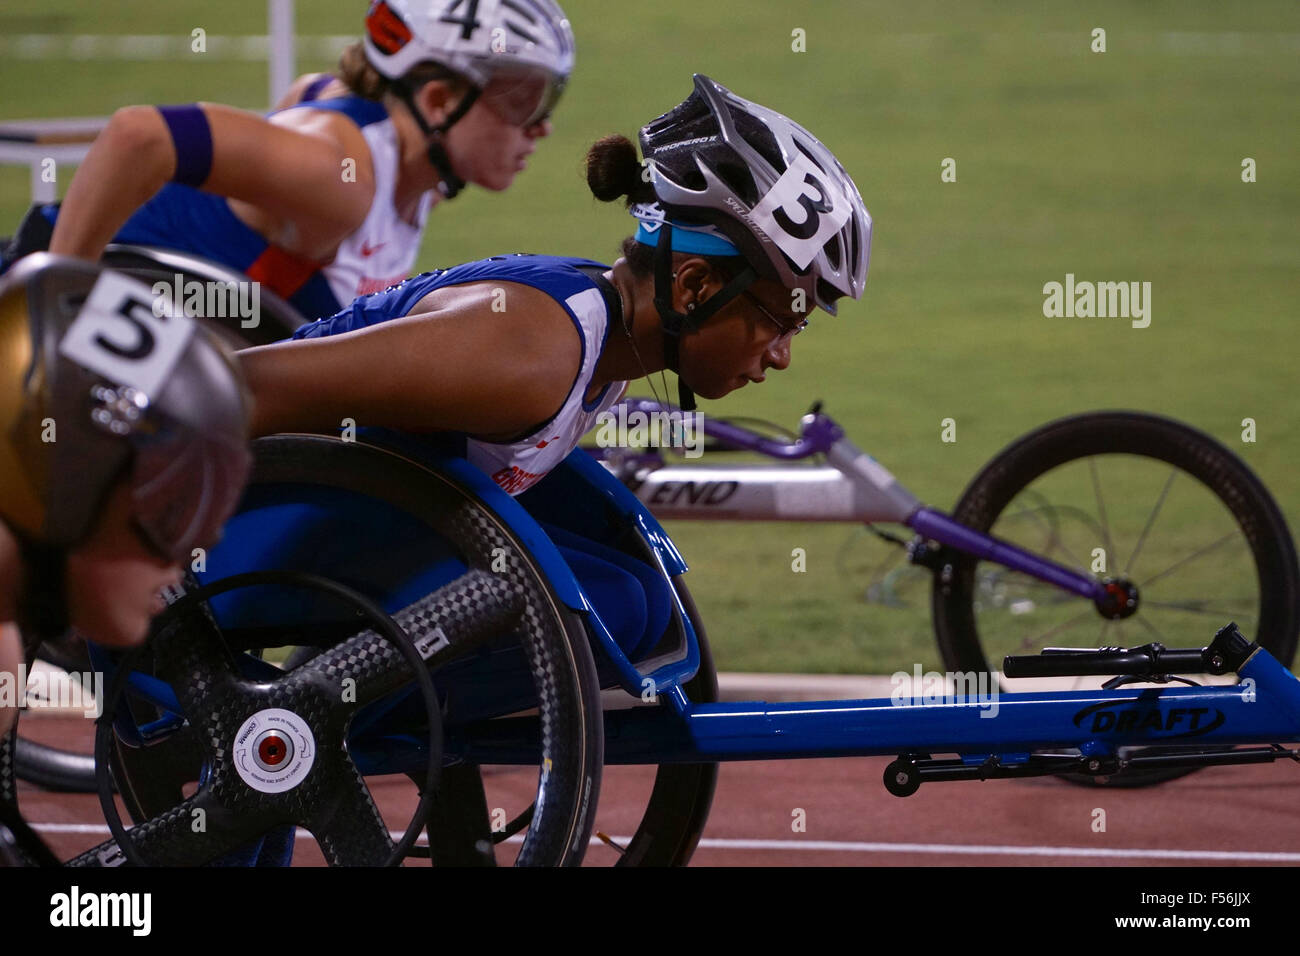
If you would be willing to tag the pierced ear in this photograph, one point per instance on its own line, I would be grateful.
(695, 275)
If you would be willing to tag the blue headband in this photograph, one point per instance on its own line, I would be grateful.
(687, 237)
(684, 240)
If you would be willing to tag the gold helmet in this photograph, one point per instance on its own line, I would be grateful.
(101, 380)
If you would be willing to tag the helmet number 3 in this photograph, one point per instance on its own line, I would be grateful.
(802, 211)
(117, 335)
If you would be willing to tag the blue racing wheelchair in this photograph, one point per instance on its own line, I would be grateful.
(379, 610)
(516, 648)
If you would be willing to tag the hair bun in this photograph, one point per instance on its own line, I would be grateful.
(613, 171)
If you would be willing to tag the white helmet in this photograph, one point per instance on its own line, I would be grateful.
(478, 39)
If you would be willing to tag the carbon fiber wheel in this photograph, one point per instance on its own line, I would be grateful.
(670, 827)
(399, 518)
(1130, 496)
(273, 749)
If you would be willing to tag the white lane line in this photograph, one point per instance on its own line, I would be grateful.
(994, 850)
(835, 846)
(138, 46)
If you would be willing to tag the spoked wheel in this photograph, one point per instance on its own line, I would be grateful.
(403, 533)
(1141, 499)
(273, 749)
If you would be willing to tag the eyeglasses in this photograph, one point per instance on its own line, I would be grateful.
(787, 331)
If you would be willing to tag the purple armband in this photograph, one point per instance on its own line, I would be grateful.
(192, 138)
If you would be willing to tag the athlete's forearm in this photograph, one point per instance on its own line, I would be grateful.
(302, 387)
(455, 371)
(130, 161)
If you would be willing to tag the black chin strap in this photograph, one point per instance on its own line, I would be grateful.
(450, 184)
(674, 322)
(43, 606)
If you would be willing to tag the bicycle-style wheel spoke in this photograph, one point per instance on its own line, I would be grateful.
(1151, 520)
(1199, 607)
(1054, 538)
(1151, 628)
(1036, 640)
(1101, 508)
(1181, 562)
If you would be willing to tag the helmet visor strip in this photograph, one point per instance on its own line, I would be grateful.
(184, 487)
(523, 97)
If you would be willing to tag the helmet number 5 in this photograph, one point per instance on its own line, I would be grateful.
(117, 335)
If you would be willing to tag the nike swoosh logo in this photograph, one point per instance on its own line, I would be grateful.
(369, 250)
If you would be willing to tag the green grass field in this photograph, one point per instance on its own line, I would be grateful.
(1115, 166)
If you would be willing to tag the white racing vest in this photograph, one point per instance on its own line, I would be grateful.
(517, 465)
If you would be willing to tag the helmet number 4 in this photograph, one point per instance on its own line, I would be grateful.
(468, 21)
(117, 335)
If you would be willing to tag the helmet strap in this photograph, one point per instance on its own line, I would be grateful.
(43, 607)
(450, 183)
(674, 322)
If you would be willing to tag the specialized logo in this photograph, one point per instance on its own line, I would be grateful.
(274, 750)
(1115, 718)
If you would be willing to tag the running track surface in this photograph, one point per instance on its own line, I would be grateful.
(1219, 816)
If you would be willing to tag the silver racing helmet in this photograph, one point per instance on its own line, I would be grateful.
(768, 185)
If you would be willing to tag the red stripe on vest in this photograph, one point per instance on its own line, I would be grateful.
(282, 272)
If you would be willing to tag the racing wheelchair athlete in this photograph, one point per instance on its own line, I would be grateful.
(459, 500)
(326, 197)
(123, 448)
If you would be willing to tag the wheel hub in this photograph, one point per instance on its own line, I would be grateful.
(1120, 600)
(274, 750)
